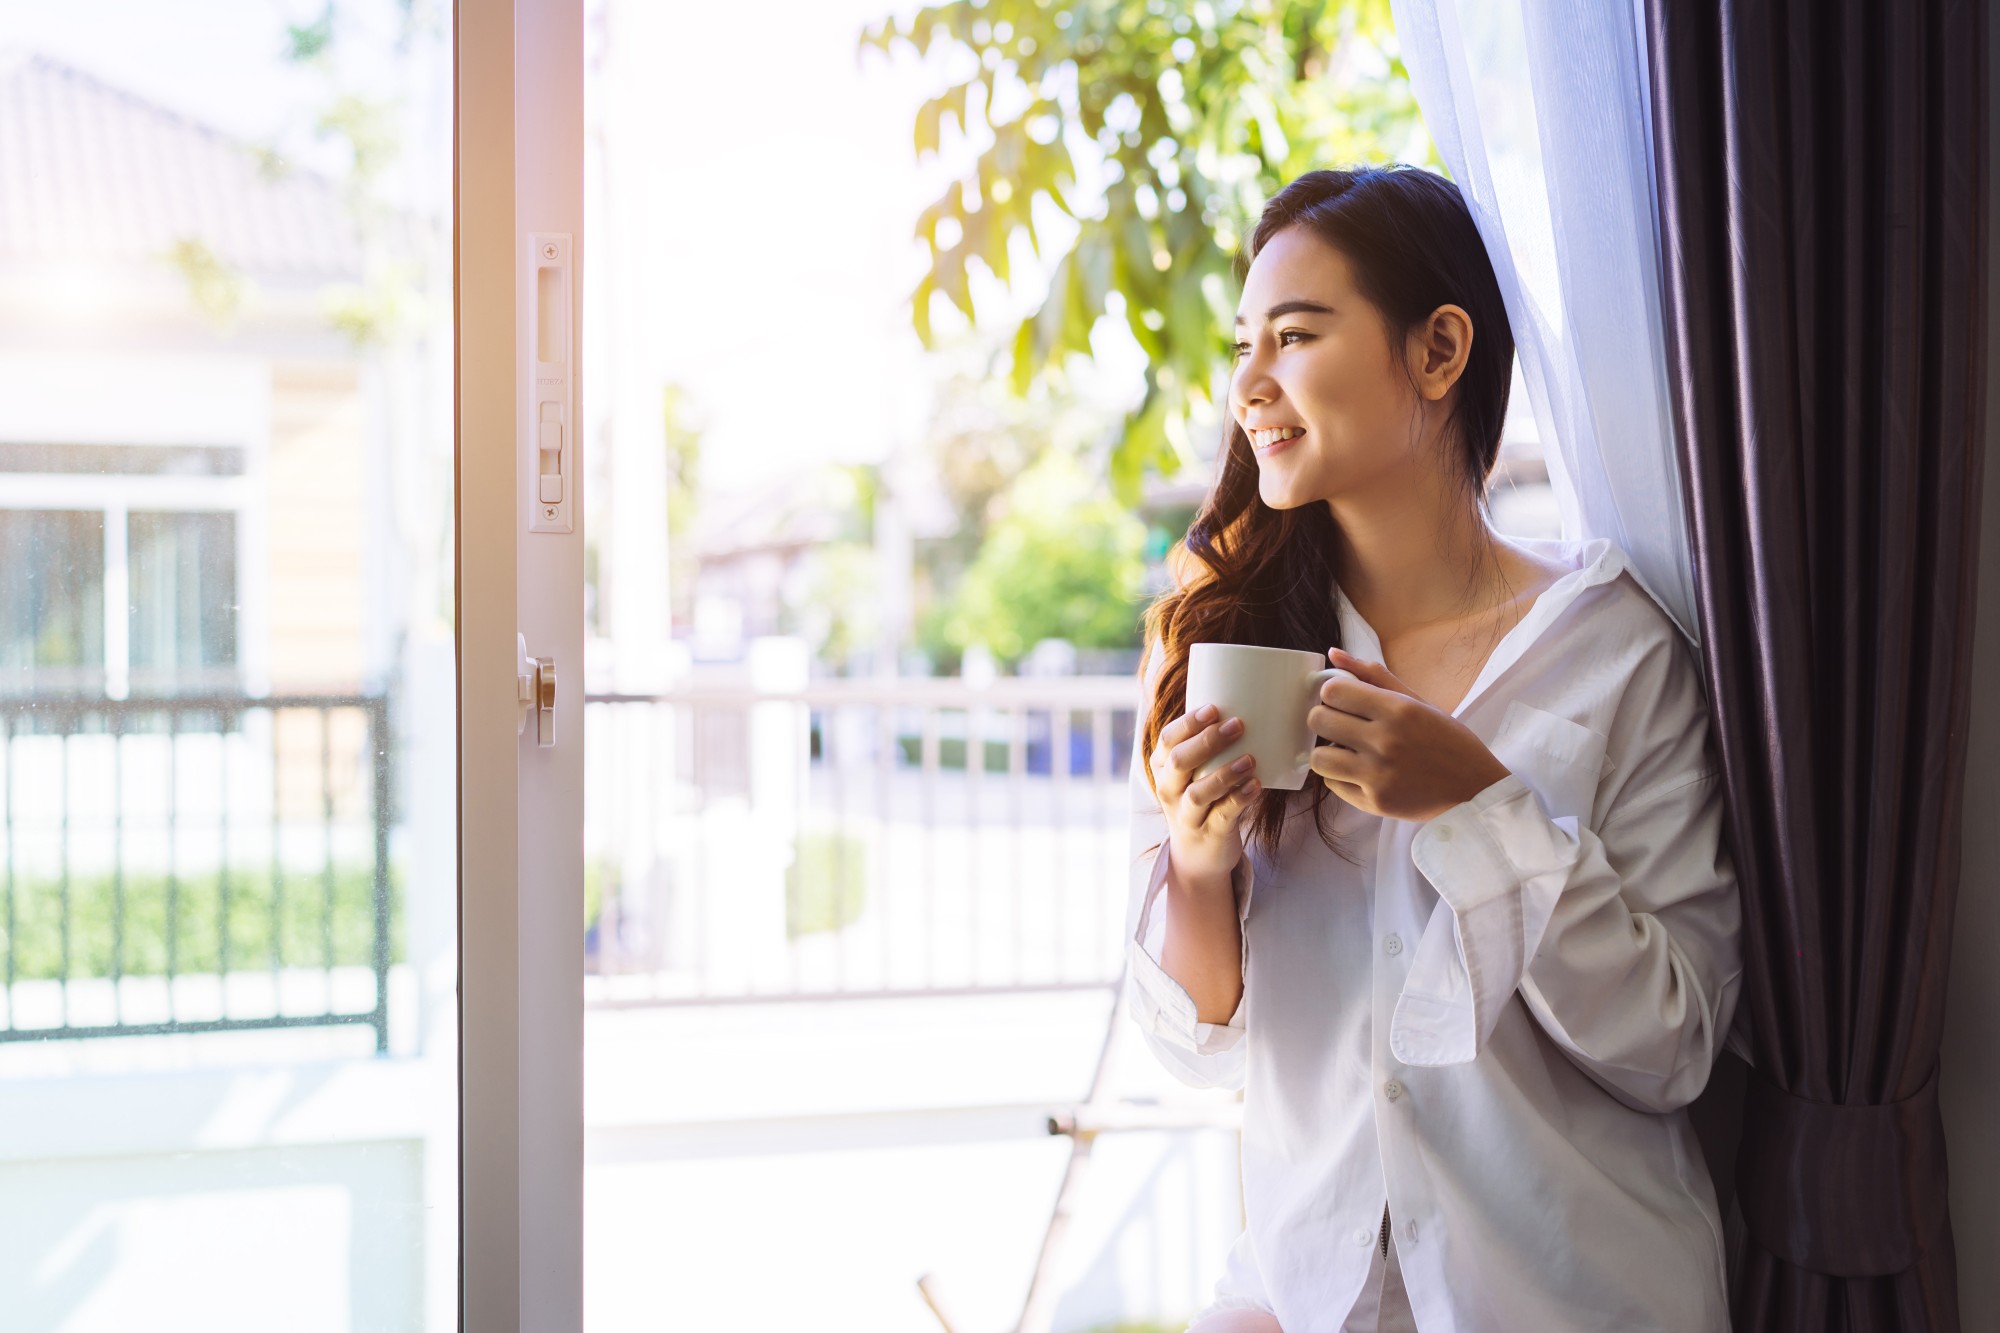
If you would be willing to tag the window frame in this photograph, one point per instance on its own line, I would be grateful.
(518, 168)
(117, 496)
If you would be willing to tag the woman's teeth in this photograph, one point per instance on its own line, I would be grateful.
(1264, 439)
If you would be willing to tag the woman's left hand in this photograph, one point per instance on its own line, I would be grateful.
(1392, 754)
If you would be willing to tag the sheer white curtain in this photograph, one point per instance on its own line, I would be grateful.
(1541, 111)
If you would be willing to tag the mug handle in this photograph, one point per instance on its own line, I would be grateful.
(1329, 673)
(1317, 679)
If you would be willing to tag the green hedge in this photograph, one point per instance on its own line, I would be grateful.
(826, 884)
(951, 752)
(36, 941)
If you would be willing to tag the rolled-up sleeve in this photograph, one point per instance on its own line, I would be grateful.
(1202, 1055)
(1622, 941)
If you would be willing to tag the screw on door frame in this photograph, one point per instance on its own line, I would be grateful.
(549, 250)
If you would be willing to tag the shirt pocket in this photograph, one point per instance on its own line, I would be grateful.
(1560, 760)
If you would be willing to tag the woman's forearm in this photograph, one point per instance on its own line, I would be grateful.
(1203, 949)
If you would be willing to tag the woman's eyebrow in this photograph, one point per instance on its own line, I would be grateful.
(1293, 307)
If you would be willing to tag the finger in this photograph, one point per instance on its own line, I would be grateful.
(1221, 782)
(1371, 673)
(1230, 808)
(1356, 697)
(1192, 753)
(1341, 765)
(1340, 728)
(1186, 725)
(1167, 779)
(1352, 793)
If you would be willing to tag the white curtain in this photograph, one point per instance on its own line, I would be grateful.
(1541, 112)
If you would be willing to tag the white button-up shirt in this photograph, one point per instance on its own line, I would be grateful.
(1490, 1021)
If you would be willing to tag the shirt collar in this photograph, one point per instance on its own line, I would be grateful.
(1592, 561)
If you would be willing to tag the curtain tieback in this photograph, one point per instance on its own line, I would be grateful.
(1847, 1191)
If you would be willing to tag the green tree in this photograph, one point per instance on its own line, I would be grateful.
(1063, 561)
(1190, 113)
(394, 283)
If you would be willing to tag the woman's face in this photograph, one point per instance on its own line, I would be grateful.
(1320, 387)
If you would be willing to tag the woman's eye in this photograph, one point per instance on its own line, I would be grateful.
(1284, 339)
(1239, 350)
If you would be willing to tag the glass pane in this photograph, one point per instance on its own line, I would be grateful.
(183, 599)
(52, 600)
(227, 749)
(854, 875)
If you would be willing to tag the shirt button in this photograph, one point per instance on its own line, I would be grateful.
(1392, 1089)
(1393, 945)
(1410, 1230)
(1443, 832)
(1362, 1235)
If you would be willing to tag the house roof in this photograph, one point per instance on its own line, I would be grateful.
(90, 172)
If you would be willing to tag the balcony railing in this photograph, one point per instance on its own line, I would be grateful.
(194, 864)
(856, 839)
(221, 863)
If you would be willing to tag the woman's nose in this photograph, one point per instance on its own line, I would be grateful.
(1252, 387)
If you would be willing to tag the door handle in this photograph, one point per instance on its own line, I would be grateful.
(535, 688)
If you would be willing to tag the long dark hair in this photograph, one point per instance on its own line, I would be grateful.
(1251, 574)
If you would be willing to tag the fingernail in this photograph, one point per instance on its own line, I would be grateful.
(1205, 713)
(1243, 765)
(1232, 726)
(1252, 787)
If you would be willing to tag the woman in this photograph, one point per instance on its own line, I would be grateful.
(1470, 978)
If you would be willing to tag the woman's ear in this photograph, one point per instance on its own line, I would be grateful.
(1438, 350)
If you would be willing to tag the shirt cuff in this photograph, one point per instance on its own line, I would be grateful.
(1159, 1003)
(1498, 864)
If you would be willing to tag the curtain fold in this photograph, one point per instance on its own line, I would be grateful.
(1822, 194)
(1539, 110)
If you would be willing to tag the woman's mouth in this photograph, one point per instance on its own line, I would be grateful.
(1270, 441)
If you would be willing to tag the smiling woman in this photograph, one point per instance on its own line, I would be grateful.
(1360, 304)
(1480, 1014)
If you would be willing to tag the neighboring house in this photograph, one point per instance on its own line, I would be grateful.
(196, 492)
(754, 551)
(750, 551)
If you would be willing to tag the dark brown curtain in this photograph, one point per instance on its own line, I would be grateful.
(1822, 196)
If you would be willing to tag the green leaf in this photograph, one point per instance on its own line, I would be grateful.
(931, 115)
(920, 308)
(1274, 87)
(1025, 360)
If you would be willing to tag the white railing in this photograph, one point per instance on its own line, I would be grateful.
(834, 841)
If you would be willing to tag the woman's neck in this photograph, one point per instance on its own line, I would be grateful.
(1416, 558)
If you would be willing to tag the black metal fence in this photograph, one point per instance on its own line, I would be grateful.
(184, 864)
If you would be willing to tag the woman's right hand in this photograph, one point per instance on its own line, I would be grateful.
(1203, 813)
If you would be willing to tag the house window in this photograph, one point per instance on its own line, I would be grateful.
(183, 601)
(52, 601)
(171, 623)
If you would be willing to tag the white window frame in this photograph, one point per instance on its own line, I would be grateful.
(518, 168)
(214, 400)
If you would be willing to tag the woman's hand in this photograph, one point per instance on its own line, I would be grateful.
(1392, 754)
(1203, 814)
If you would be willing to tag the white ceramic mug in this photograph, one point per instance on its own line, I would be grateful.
(1272, 690)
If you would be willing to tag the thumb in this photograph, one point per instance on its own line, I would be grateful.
(1369, 673)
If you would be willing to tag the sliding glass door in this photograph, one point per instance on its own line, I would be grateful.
(228, 866)
(273, 430)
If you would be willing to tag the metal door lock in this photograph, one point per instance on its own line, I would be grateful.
(535, 688)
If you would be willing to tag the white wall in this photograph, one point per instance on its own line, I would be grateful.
(1969, 1084)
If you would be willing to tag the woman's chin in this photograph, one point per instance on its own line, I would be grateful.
(1281, 492)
